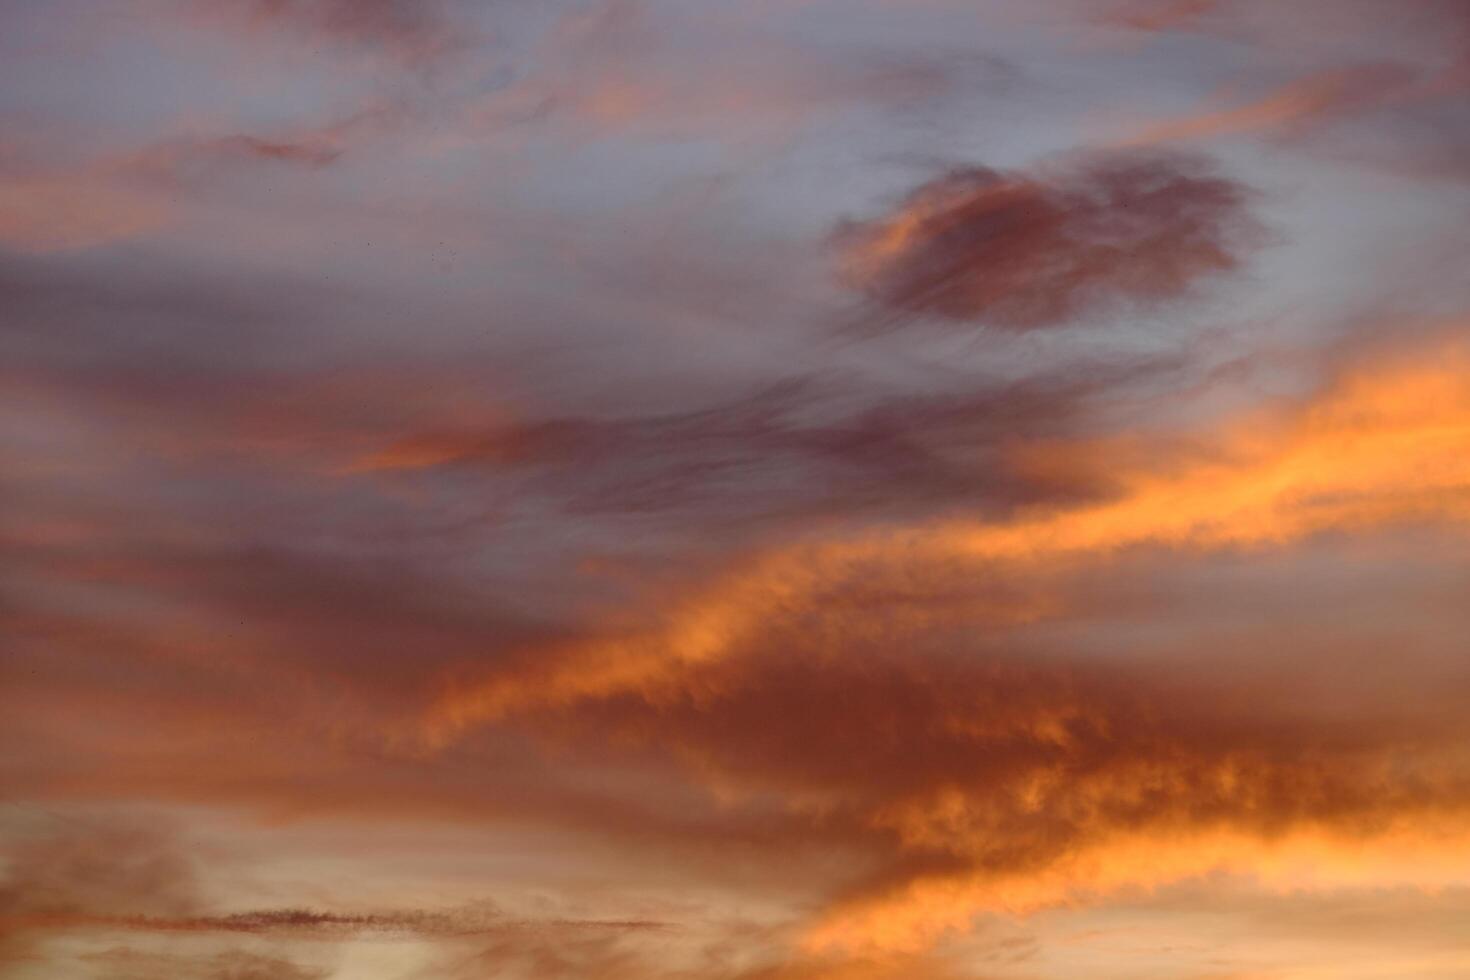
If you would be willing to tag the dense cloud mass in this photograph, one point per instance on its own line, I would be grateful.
(650, 490)
(1021, 252)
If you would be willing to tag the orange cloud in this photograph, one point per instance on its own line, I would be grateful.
(999, 782)
(1298, 861)
(1385, 443)
(1382, 444)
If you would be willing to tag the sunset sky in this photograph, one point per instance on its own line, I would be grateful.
(735, 489)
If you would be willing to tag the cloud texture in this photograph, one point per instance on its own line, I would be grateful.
(798, 491)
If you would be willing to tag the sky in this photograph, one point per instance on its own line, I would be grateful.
(691, 490)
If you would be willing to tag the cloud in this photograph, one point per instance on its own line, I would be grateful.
(106, 879)
(716, 953)
(183, 161)
(1394, 103)
(593, 572)
(122, 963)
(288, 666)
(1023, 251)
(136, 193)
(1002, 781)
(82, 872)
(1158, 15)
(293, 923)
(1295, 107)
(782, 452)
(417, 32)
(998, 780)
(47, 214)
(1363, 455)
(118, 868)
(628, 67)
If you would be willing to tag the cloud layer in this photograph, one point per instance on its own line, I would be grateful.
(807, 491)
